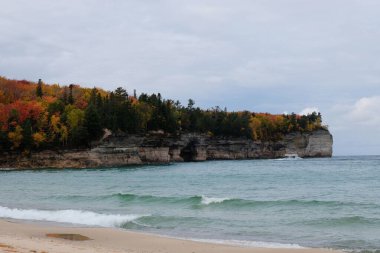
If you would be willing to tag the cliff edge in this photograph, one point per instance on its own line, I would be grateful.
(161, 148)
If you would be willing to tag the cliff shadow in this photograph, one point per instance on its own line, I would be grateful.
(188, 153)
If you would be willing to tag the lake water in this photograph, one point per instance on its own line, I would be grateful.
(330, 203)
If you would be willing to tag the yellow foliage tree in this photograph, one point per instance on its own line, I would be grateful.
(38, 138)
(75, 118)
(16, 137)
(255, 125)
(58, 129)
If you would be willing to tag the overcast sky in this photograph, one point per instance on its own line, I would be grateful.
(269, 56)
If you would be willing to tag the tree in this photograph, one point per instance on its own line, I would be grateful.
(75, 118)
(43, 116)
(71, 98)
(56, 107)
(121, 93)
(190, 104)
(92, 123)
(39, 89)
(38, 138)
(255, 125)
(58, 131)
(144, 113)
(64, 97)
(16, 137)
(27, 135)
(4, 141)
(303, 123)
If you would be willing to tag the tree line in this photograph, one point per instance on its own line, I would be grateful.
(35, 116)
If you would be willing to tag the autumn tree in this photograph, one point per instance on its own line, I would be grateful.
(38, 139)
(58, 131)
(35, 115)
(16, 137)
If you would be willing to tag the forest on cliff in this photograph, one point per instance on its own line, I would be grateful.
(35, 116)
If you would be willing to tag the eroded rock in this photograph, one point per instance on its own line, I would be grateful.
(160, 148)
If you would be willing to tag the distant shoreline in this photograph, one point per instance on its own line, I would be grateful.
(164, 149)
(21, 237)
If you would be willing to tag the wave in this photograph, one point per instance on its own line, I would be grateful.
(68, 216)
(206, 201)
(194, 200)
(115, 220)
(163, 222)
(253, 244)
(217, 201)
(288, 159)
(236, 202)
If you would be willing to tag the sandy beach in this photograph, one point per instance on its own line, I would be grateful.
(23, 237)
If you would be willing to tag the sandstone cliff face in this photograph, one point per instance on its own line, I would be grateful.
(316, 144)
(159, 148)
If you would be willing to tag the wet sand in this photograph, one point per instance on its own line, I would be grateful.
(23, 237)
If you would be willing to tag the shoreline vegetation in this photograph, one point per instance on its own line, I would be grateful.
(24, 237)
(39, 116)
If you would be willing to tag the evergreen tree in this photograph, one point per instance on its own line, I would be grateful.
(79, 136)
(71, 98)
(92, 123)
(4, 141)
(27, 134)
(26, 122)
(56, 107)
(93, 96)
(39, 89)
(121, 94)
(99, 102)
(64, 97)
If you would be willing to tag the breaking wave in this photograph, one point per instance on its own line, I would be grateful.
(220, 202)
(68, 216)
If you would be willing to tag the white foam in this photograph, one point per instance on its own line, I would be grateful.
(68, 216)
(251, 244)
(288, 159)
(207, 200)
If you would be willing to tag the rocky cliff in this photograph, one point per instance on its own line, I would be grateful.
(160, 148)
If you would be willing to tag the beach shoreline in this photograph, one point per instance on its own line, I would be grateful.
(20, 236)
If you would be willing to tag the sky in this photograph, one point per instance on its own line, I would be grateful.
(261, 55)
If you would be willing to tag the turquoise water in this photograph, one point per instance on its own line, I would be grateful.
(330, 203)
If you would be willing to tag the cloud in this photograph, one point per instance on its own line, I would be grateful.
(309, 110)
(355, 125)
(363, 112)
(366, 111)
(269, 56)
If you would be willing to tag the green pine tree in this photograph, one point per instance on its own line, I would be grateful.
(27, 134)
(71, 97)
(92, 123)
(39, 89)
